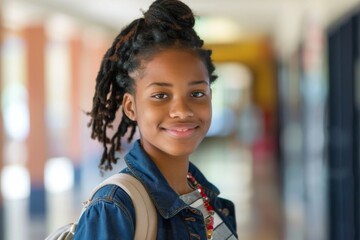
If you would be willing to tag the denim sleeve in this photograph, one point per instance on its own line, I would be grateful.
(110, 215)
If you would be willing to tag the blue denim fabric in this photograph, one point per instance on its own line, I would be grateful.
(111, 214)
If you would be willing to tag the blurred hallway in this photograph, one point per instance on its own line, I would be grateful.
(285, 134)
(252, 185)
(255, 194)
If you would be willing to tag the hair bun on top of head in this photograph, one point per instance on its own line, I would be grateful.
(169, 14)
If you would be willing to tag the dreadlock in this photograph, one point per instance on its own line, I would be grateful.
(167, 23)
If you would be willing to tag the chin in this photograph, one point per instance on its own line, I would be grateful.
(180, 150)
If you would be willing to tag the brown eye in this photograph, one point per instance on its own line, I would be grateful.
(197, 94)
(160, 96)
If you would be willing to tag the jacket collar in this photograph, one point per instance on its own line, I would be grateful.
(165, 199)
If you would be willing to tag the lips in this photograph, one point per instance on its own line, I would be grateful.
(181, 130)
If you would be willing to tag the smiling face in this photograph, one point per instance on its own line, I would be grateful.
(171, 104)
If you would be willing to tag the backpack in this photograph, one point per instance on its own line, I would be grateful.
(146, 217)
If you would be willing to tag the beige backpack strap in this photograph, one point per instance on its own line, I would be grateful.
(146, 216)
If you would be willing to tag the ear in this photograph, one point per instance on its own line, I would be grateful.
(129, 106)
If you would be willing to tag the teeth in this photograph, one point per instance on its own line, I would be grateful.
(181, 130)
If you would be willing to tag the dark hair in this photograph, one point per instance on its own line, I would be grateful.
(167, 23)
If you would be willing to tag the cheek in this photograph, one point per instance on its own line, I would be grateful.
(146, 118)
(205, 113)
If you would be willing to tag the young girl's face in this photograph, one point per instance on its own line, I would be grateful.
(171, 104)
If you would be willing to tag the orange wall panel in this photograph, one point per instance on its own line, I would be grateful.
(35, 39)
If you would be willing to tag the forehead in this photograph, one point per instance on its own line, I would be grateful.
(182, 62)
(172, 52)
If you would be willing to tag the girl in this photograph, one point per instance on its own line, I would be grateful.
(158, 75)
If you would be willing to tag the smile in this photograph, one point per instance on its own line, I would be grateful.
(180, 132)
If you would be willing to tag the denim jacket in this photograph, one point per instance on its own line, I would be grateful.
(111, 214)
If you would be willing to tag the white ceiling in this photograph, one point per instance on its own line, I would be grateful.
(279, 19)
(260, 15)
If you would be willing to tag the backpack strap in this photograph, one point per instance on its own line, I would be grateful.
(146, 216)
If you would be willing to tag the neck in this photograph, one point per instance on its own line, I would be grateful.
(175, 170)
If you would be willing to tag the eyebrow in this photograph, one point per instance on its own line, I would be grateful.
(164, 84)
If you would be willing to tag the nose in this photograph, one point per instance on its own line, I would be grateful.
(180, 109)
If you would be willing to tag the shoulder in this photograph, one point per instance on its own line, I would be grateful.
(109, 213)
(113, 195)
